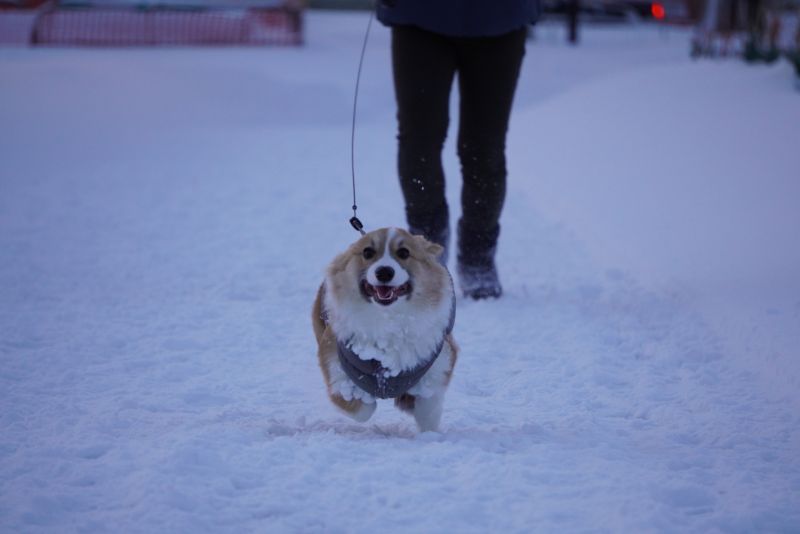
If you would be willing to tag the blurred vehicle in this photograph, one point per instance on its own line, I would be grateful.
(675, 11)
(672, 11)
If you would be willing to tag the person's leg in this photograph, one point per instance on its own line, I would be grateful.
(488, 71)
(424, 66)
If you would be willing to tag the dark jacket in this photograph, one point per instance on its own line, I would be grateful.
(460, 18)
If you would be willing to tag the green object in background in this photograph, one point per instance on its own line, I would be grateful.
(771, 55)
(751, 52)
(794, 59)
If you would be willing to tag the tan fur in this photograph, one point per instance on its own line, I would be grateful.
(453, 355)
(342, 281)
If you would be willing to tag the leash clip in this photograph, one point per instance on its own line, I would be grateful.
(359, 227)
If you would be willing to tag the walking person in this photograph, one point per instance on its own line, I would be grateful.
(483, 43)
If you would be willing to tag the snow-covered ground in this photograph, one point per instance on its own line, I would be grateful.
(165, 219)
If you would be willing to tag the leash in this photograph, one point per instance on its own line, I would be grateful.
(354, 220)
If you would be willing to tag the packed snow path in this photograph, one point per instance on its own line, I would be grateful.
(165, 220)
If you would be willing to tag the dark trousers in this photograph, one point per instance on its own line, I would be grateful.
(425, 65)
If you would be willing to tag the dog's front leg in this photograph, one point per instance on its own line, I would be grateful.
(342, 391)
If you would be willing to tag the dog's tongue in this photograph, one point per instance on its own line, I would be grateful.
(384, 292)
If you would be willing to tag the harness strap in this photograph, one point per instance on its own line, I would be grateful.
(372, 376)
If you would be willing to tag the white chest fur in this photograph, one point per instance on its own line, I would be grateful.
(400, 336)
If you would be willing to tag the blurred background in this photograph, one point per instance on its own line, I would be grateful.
(759, 29)
(175, 176)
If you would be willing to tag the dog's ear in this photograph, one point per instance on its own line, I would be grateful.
(430, 247)
(339, 263)
(435, 249)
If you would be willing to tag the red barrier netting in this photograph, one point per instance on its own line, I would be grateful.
(16, 26)
(143, 26)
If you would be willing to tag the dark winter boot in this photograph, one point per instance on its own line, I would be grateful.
(477, 273)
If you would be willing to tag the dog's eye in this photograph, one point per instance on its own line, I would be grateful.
(368, 253)
(403, 253)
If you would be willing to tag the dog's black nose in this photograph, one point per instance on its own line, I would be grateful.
(384, 274)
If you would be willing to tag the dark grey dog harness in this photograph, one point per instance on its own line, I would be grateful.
(373, 377)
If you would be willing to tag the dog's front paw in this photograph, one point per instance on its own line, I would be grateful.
(358, 409)
(349, 391)
(364, 412)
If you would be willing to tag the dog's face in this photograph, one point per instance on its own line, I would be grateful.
(386, 266)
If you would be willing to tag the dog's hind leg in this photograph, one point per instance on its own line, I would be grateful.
(428, 412)
(356, 408)
(405, 403)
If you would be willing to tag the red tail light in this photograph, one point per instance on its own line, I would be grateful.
(657, 10)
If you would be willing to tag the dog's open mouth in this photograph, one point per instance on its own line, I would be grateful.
(385, 294)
